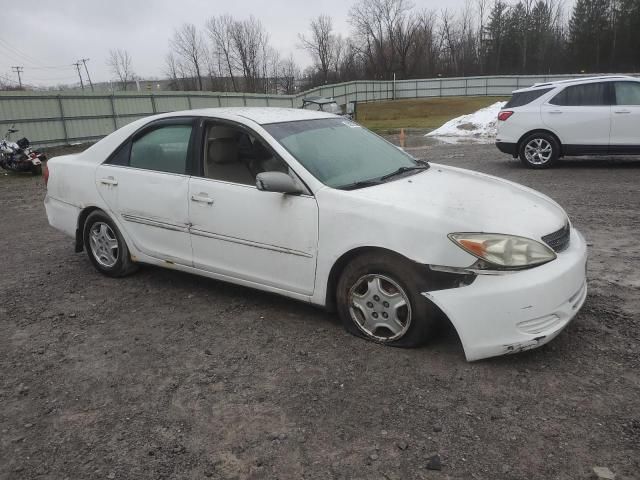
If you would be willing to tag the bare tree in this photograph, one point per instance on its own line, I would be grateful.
(288, 73)
(385, 33)
(482, 6)
(119, 61)
(171, 70)
(321, 44)
(188, 45)
(220, 30)
(249, 42)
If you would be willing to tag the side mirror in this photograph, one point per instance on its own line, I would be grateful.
(276, 182)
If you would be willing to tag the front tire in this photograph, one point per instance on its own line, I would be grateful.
(106, 247)
(378, 298)
(539, 150)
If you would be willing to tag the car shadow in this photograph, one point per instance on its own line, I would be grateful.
(599, 162)
(444, 344)
(167, 278)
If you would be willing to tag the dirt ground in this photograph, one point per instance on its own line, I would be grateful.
(166, 375)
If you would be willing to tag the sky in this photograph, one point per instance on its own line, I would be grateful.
(46, 37)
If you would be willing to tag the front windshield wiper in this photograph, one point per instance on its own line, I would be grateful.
(403, 170)
(360, 184)
(421, 165)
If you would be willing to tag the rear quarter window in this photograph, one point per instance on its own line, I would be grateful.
(524, 98)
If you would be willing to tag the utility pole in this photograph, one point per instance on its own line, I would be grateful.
(18, 70)
(77, 65)
(85, 60)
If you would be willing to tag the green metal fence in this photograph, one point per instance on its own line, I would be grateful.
(54, 119)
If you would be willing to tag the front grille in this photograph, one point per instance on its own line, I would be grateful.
(558, 240)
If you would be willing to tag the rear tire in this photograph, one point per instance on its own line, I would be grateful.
(36, 170)
(539, 150)
(378, 298)
(106, 248)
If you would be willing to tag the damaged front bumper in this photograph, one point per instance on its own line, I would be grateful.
(517, 311)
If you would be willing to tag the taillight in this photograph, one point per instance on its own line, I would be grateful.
(45, 174)
(504, 115)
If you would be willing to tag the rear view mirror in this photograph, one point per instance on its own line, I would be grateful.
(276, 182)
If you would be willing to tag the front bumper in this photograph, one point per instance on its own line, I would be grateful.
(517, 311)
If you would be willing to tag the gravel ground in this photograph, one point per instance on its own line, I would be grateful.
(168, 375)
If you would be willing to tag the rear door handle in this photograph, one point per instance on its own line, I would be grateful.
(622, 111)
(555, 112)
(202, 198)
(109, 181)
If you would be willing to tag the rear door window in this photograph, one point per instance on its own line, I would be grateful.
(627, 93)
(164, 149)
(589, 94)
(520, 99)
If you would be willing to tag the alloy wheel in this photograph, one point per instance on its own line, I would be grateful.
(538, 151)
(104, 244)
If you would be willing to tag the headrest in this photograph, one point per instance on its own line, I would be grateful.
(221, 131)
(222, 150)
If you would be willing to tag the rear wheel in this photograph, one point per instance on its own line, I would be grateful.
(539, 150)
(36, 170)
(378, 298)
(105, 246)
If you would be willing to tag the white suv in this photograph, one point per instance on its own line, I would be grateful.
(586, 116)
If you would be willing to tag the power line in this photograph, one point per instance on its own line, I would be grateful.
(52, 67)
(18, 70)
(15, 50)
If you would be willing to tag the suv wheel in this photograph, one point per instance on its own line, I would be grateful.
(539, 150)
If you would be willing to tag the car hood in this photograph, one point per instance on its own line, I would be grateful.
(470, 202)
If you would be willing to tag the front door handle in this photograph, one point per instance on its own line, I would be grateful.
(109, 181)
(555, 112)
(622, 111)
(202, 198)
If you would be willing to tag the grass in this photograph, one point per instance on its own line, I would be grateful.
(423, 113)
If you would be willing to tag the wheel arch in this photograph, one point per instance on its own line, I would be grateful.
(539, 130)
(82, 218)
(437, 279)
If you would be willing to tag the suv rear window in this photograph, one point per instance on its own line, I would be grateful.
(583, 95)
(523, 98)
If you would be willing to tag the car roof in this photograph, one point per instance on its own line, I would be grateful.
(260, 115)
(575, 81)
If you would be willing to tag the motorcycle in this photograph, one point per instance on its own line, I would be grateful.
(19, 156)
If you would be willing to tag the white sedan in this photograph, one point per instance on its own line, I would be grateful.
(317, 208)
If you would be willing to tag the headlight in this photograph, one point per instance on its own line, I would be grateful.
(503, 251)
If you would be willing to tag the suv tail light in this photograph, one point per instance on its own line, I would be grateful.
(45, 174)
(504, 115)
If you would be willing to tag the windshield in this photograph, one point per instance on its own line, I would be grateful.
(339, 152)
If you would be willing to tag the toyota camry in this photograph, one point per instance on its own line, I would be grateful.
(317, 208)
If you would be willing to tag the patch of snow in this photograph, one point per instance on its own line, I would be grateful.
(480, 125)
